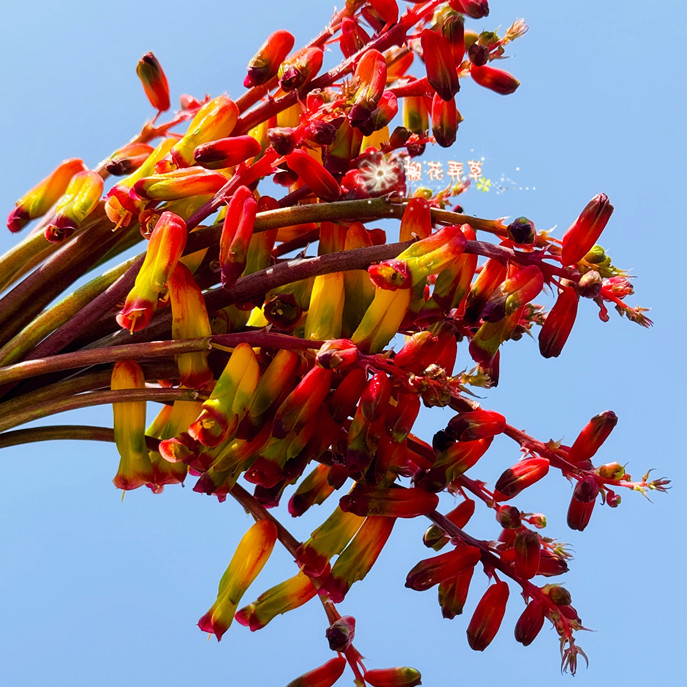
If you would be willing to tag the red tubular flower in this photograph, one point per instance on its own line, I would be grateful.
(530, 622)
(453, 462)
(582, 503)
(386, 9)
(416, 222)
(300, 69)
(494, 79)
(390, 275)
(226, 152)
(237, 231)
(440, 65)
(313, 490)
(401, 417)
(445, 120)
(415, 114)
(594, 433)
(370, 81)
(527, 547)
(375, 397)
(314, 175)
(80, 199)
(36, 202)
(266, 62)
(453, 594)
(128, 158)
(453, 28)
(179, 183)
(154, 81)
(441, 568)
(248, 560)
(486, 619)
(324, 676)
(551, 564)
(520, 288)
(386, 110)
(586, 229)
(519, 477)
(393, 677)
(353, 37)
(454, 282)
(396, 503)
(489, 279)
(337, 354)
(559, 323)
(476, 424)
(473, 8)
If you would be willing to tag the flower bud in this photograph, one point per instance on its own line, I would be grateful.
(441, 568)
(522, 475)
(154, 81)
(179, 183)
(476, 424)
(592, 436)
(453, 594)
(80, 199)
(522, 231)
(401, 502)
(530, 622)
(453, 28)
(314, 175)
(527, 546)
(237, 231)
(445, 120)
(494, 79)
(393, 677)
(508, 517)
(441, 68)
(558, 324)
(516, 291)
(128, 158)
(473, 8)
(551, 564)
(300, 69)
(558, 595)
(226, 152)
(353, 37)
(266, 62)
(415, 114)
(582, 503)
(340, 633)
(324, 676)
(586, 229)
(486, 619)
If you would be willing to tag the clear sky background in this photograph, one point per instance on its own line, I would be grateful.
(93, 591)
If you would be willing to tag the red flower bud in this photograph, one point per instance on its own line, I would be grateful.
(441, 568)
(386, 9)
(586, 229)
(237, 231)
(398, 503)
(314, 175)
(393, 677)
(454, 593)
(267, 60)
(519, 477)
(340, 633)
(154, 81)
(476, 424)
(582, 503)
(594, 433)
(494, 79)
(473, 8)
(445, 120)
(559, 323)
(551, 564)
(324, 676)
(527, 547)
(453, 28)
(226, 152)
(530, 622)
(390, 275)
(486, 619)
(128, 158)
(353, 37)
(441, 68)
(508, 517)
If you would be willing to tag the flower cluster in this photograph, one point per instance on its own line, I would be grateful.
(301, 378)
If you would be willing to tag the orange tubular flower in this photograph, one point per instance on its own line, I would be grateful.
(594, 433)
(324, 676)
(585, 231)
(237, 231)
(393, 503)
(166, 244)
(268, 59)
(300, 69)
(519, 477)
(487, 617)
(135, 468)
(215, 120)
(370, 80)
(189, 321)
(314, 175)
(179, 183)
(441, 68)
(559, 323)
(358, 557)
(494, 79)
(128, 159)
(154, 81)
(393, 677)
(282, 598)
(226, 152)
(36, 202)
(441, 568)
(251, 555)
(80, 199)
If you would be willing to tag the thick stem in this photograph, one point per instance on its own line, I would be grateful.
(63, 432)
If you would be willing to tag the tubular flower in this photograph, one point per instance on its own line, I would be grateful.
(494, 79)
(128, 159)
(353, 37)
(215, 120)
(594, 433)
(393, 677)
(358, 557)
(453, 462)
(486, 341)
(475, 424)
(416, 221)
(266, 62)
(519, 477)
(445, 120)
(441, 68)
(237, 231)
(415, 114)
(251, 555)
(179, 183)
(154, 81)
(370, 80)
(166, 244)
(226, 152)
(530, 622)
(586, 229)
(401, 417)
(393, 503)
(559, 323)
(490, 277)
(442, 568)
(516, 291)
(453, 594)
(435, 253)
(314, 175)
(453, 283)
(435, 538)
(487, 617)
(323, 676)
(329, 539)
(189, 321)
(79, 201)
(312, 491)
(36, 202)
(230, 399)
(382, 319)
(527, 546)
(453, 29)
(582, 503)
(282, 598)
(301, 68)
(325, 313)
(135, 468)
(337, 354)
(477, 9)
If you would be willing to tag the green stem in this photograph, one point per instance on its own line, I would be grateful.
(64, 432)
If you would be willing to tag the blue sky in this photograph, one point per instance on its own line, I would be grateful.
(93, 591)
